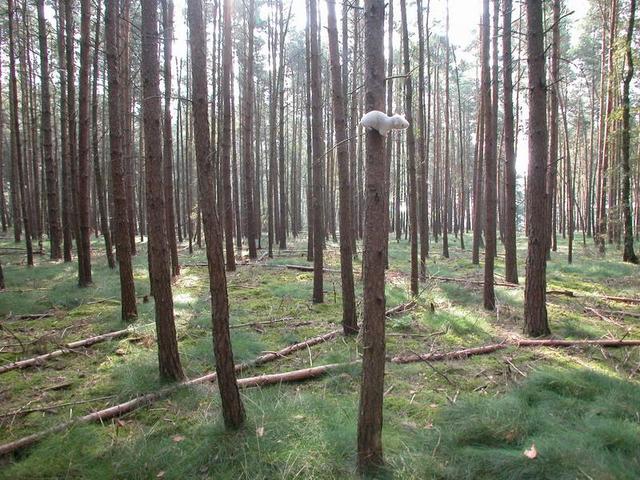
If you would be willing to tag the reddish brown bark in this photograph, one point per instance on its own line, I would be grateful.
(167, 153)
(53, 201)
(373, 360)
(318, 155)
(509, 221)
(411, 152)
(349, 318)
(232, 408)
(159, 255)
(120, 212)
(535, 309)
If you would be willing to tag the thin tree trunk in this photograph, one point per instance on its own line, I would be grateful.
(511, 259)
(247, 148)
(16, 147)
(628, 254)
(225, 142)
(411, 152)
(121, 222)
(232, 408)
(490, 125)
(447, 169)
(349, 318)
(167, 154)
(318, 155)
(53, 201)
(99, 179)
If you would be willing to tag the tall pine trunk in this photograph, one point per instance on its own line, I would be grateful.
(373, 340)
(232, 408)
(318, 155)
(349, 319)
(628, 253)
(167, 154)
(411, 152)
(120, 213)
(159, 255)
(53, 201)
(509, 220)
(535, 308)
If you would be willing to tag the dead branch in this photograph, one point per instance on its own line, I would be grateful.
(474, 282)
(68, 348)
(468, 352)
(53, 406)
(133, 404)
(635, 301)
(402, 308)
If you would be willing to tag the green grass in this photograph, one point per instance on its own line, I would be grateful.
(462, 419)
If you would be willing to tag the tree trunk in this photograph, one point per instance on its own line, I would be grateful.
(511, 259)
(490, 126)
(232, 408)
(120, 213)
(167, 154)
(99, 179)
(83, 183)
(318, 155)
(373, 360)
(159, 255)
(411, 151)
(225, 142)
(447, 168)
(628, 253)
(16, 147)
(552, 162)
(53, 202)
(349, 318)
(535, 309)
(247, 137)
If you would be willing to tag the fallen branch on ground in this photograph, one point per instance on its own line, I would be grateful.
(133, 404)
(621, 313)
(468, 352)
(68, 348)
(475, 282)
(402, 308)
(32, 316)
(266, 322)
(53, 406)
(308, 268)
(622, 299)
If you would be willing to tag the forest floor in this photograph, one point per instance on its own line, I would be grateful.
(471, 418)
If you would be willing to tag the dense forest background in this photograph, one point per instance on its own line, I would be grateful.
(141, 141)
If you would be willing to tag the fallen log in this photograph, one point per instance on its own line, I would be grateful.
(32, 316)
(308, 268)
(135, 403)
(566, 293)
(621, 313)
(474, 282)
(468, 352)
(68, 348)
(398, 309)
(622, 299)
(292, 376)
